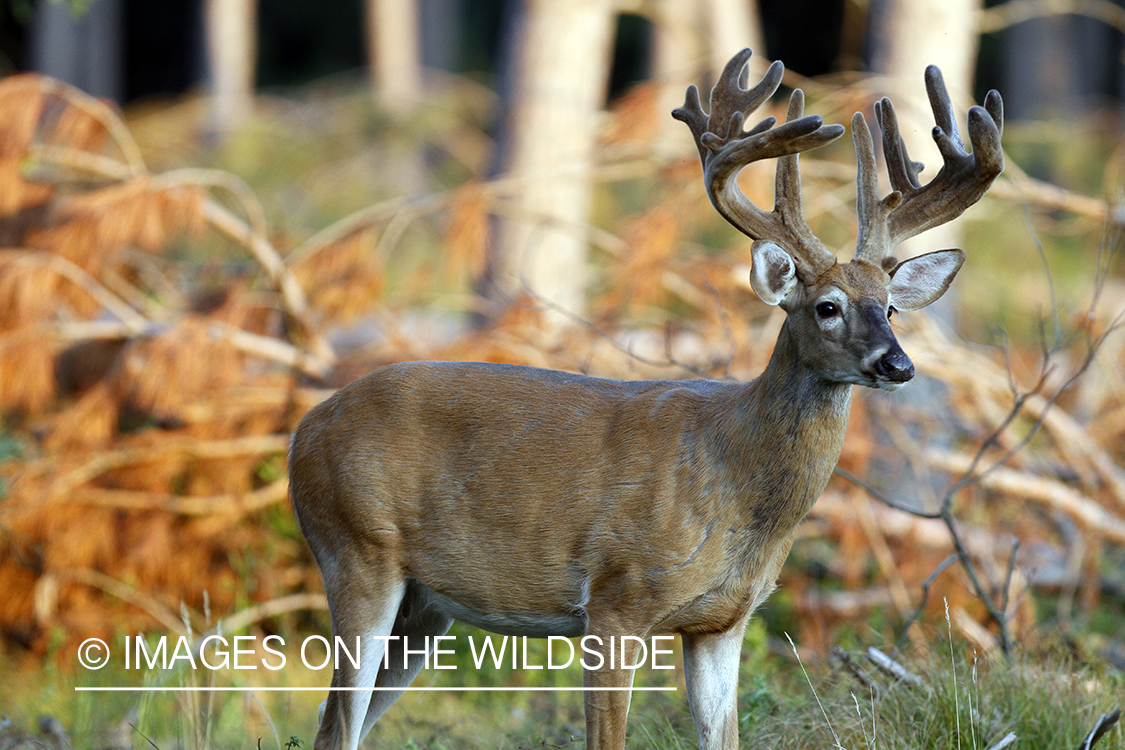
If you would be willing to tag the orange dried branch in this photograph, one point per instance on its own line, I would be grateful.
(62, 485)
(132, 319)
(232, 505)
(123, 591)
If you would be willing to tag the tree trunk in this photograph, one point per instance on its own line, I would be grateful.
(692, 40)
(80, 46)
(908, 36)
(678, 60)
(393, 49)
(558, 74)
(231, 55)
(733, 25)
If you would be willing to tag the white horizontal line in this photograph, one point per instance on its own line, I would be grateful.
(367, 689)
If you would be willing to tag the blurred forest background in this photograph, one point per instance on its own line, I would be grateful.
(215, 212)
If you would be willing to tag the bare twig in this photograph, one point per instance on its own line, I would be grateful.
(732, 345)
(926, 584)
(142, 734)
(974, 470)
(1104, 723)
(670, 361)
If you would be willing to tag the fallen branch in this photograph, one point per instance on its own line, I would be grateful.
(132, 320)
(1004, 742)
(893, 668)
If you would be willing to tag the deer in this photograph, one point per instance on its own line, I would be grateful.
(534, 502)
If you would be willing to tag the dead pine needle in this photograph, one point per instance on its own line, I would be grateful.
(869, 741)
(953, 673)
(835, 737)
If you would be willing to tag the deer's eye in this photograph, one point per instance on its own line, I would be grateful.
(827, 309)
(890, 312)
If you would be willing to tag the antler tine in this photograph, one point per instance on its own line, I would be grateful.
(725, 148)
(912, 208)
(787, 183)
(902, 170)
(867, 185)
(731, 103)
(940, 102)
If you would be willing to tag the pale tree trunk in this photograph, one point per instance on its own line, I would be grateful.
(692, 41)
(231, 54)
(679, 58)
(394, 54)
(393, 50)
(733, 25)
(559, 73)
(909, 35)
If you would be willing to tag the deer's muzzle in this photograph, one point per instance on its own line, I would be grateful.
(895, 366)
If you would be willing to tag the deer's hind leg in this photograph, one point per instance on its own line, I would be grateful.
(415, 628)
(364, 600)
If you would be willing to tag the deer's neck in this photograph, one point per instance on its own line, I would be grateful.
(790, 425)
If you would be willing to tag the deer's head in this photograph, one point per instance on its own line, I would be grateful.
(838, 312)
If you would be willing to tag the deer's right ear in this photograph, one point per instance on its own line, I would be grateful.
(773, 275)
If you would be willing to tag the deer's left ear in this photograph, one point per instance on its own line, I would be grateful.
(772, 275)
(919, 281)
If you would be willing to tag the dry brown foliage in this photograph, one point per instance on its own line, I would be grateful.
(153, 412)
(148, 412)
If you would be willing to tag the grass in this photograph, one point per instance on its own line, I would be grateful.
(960, 700)
(964, 701)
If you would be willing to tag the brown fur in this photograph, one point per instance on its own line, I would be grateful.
(509, 489)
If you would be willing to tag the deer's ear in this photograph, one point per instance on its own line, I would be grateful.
(919, 281)
(773, 275)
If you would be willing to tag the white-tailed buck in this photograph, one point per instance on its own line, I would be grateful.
(534, 502)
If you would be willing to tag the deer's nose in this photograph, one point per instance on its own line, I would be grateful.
(895, 366)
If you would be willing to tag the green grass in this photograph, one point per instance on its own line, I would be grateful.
(960, 701)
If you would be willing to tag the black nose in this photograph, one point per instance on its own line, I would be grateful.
(895, 366)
